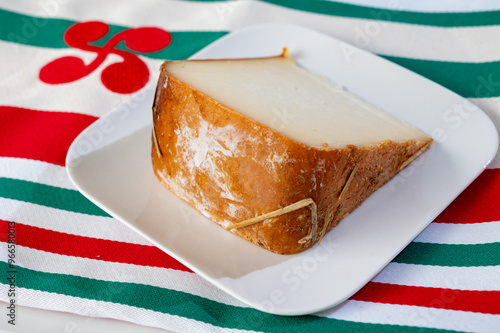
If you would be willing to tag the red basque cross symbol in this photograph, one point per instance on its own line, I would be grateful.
(123, 77)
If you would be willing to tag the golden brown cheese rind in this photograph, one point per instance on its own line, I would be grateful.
(231, 168)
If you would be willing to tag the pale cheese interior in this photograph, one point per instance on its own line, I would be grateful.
(301, 105)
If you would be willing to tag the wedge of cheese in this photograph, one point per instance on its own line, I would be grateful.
(274, 153)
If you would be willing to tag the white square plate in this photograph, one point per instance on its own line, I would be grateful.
(115, 172)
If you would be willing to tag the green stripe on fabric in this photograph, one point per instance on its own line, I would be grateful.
(392, 15)
(460, 255)
(32, 30)
(470, 80)
(22, 27)
(415, 253)
(333, 8)
(49, 32)
(189, 306)
(46, 195)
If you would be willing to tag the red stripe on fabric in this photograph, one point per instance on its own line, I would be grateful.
(87, 247)
(450, 299)
(39, 135)
(480, 202)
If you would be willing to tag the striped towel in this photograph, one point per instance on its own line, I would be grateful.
(60, 252)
